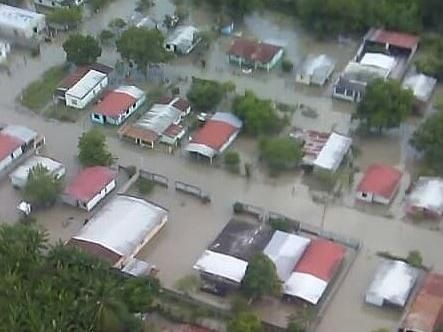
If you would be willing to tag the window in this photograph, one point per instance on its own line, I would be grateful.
(74, 102)
(97, 116)
(365, 195)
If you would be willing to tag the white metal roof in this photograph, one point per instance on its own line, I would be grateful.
(355, 71)
(285, 250)
(159, 118)
(137, 267)
(221, 265)
(428, 194)
(379, 60)
(316, 62)
(86, 84)
(392, 283)
(202, 149)
(305, 286)
(332, 153)
(131, 90)
(19, 18)
(24, 133)
(182, 35)
(421, 85)
(23, 170)
(228, 118)
(122, 224)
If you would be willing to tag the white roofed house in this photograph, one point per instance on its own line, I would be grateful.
(86, 89)
(58, 3)
(422, 88)
(426, 198)
(183, 40)
(316, 69)
(333, 153)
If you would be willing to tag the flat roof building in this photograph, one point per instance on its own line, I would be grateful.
(333, 152)
(315, 69)
(426, 198)
(86, 89)
(183, 40)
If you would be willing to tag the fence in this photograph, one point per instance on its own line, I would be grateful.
(155, 177)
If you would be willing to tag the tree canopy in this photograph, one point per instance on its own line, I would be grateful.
(259, 116)
(385, 105)
(141, 46)
(260, 278)
(69, 16)
(55, 288)
(93, 150)
(245, 322)
(428, 139)
(42, 188)
(82, 50)
(430, 60)
(280, 153)
(205, 95)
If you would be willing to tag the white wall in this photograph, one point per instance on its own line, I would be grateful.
(363, 196)
(373, 198)
(78, 103)
(25, 33)
(9, 159)
(95, 200)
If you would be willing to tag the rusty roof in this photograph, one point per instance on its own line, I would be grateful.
(254, 51)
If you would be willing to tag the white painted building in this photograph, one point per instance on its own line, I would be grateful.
(86, 89)
(21, 25)
(333, 152)
(58, 3)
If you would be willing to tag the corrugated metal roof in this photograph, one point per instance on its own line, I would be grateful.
(159, 118)
(88, 82)
(118, 101)
(333, 152)
(427, 194)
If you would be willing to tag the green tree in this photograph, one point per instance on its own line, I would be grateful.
(117, 23)
(259, 116)
(280, 154)
(205, 95)
(430, 60)
(93, 150)
(295, 326)
(428, 140)
(141, 46)
(66, 16)
(385, 105)
(260, 278)
(106, 36)
(82, 50)
(415, 259)
(42, 188)
(232, 161)
(245, 322)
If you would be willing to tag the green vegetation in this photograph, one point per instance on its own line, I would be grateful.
(283, 225)
(428, 140)
(82, 50)
(189, 283)
(117, 23)
(295, 326)
(385, 105)
(42, 188)
(287, 66)
(93, 150)
(106, 36)
(260, 278)
(280, 153)
(38, 93)
(430, 60)
(65, 16)
(232, 161)
(141, 46)
(245, 322)
(205, 95)
(259, 116)
(56, 288)
(145, 186)
(415, 259)
(62, 113)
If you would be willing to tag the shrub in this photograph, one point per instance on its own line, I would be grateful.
(232, 161)
(131, 170)
(280, 225)
(287, 66)
(414, 258)
(238, 207)
(145, 186)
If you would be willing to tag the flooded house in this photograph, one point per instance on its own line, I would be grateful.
(160, 124)
(15, 142)
(315, 69)
(426, 311)
(19, 177)
(89, 187)
(183, 40)
(426, 198)
(392, 284)
(120, 229)
(254, 54)
(83, 85)
(58, 3)
(215, 136)
(20, 26)
(117, 105)
(379, 184)
(422, 87)
(315, 271)
(382, 55)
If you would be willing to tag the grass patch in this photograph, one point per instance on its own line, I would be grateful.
(39, 93)
(62, 113)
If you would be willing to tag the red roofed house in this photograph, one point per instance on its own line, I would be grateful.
(177, 102)
(216, 135)
(118, 105)
(426, 311)
(244, 52)
(379, 184)
(90, 187)
(314, 271)
(392, 40)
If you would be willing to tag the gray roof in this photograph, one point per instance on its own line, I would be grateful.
(20, 132)
(318, 67)
(422, 86)
(183, 35)
(159, 118)
(392, 283)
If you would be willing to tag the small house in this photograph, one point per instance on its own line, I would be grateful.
(58, 3)
(426, 198)
(316, 69)
(183, 40)
(379, 184)
(422, 87)
(118, 105)
(89, 187)
(19, 177)
(258, 55)
(332, 153)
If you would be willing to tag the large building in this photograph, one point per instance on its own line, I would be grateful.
(215, 136)
(89, 187)
(120, 229)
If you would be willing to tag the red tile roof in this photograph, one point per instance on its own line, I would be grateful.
(173, 130)
(321, 259)
(398, 39)
(90, 182)
(96, 250)
(426, 312)
(381, 180)
(132, 131)
(253, 51)
(8, 145)
(115, 103)
(214, 134)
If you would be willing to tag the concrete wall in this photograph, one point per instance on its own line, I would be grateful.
(102, 194)
(81, 103)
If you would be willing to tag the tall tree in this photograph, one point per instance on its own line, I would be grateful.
(280, 153)
(42, 188)
(385, 105)
(82, 50)
(205, 95)
(93, 150)
(141, 46)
